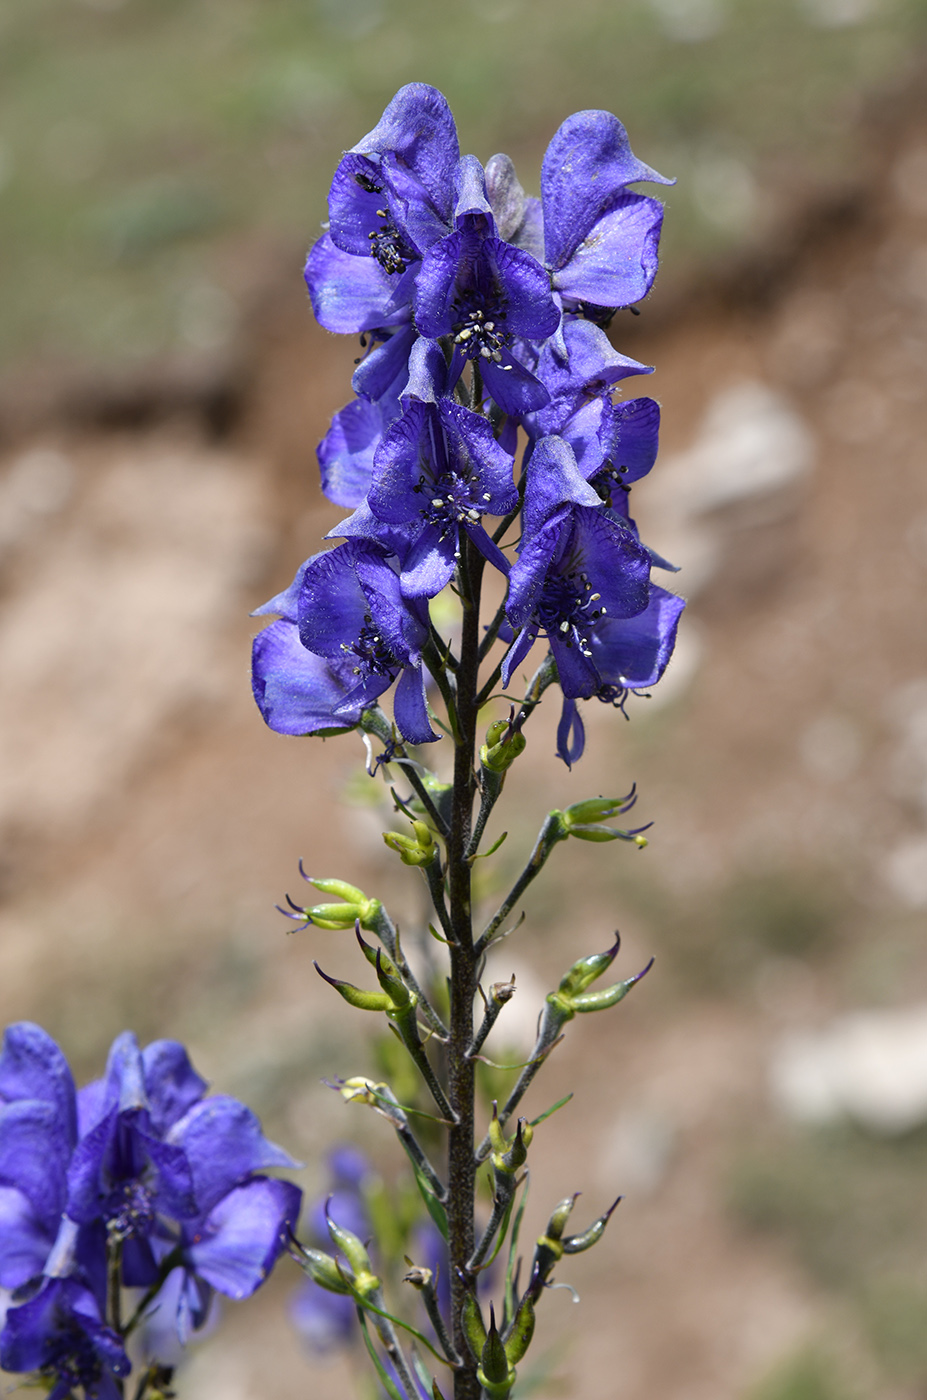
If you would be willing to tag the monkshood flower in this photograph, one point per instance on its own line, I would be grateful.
(438, 471)
(38, 1132)
(391, 198)
(296, 691)
(600, 238)
(486, 293)
(60, 1334)
(618, 441)
(351, 608)
(141, 1161)
(578, 567)
(629, 654)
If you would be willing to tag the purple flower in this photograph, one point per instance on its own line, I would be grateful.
(627, 654)
(60, 1333)
(600, 239)
(487, 294)
(579, 567)
(438, 470)
(351, 609)
(296, 691)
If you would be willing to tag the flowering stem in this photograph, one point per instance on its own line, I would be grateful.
(463, 980)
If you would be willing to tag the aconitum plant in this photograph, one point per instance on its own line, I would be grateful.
(126, 1207)
(482, 314)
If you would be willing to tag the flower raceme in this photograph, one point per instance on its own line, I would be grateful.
(482, 313)
(139, 1180)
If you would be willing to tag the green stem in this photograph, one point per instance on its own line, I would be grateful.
(551, 832)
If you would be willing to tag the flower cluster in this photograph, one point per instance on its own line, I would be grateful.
(482, 311)
(138, 1181)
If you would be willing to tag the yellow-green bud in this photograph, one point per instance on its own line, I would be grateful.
(519, 1338)
(583, 973)
(419, 849)
(577, 1243)
(473, 1325)
(356, 996)
(361, 1090)
(352, 1247)
(323, 1270)
(358, 907)
(502, 747)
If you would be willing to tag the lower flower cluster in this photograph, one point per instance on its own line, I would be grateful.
(124, 1208)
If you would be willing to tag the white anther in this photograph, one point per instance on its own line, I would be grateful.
(564, 626)
(486, 496)
(437, 503)
(594, 597)
(485, 352)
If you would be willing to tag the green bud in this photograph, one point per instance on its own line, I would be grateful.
(518, 1150)
(609, 996)
(361, 1090)
(521, 1331)
(583, 973)
(356, 996)
(494, 1372)
(357, 909)
(561, 1214)
(419, 849)
(397, 991)
(473, 1325)
(352, 1247)
(323, 1270)
(594, 809)
(503, 745)
(577, 1243)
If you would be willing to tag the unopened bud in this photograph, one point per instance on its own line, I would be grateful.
(473, 1325)
(583, 973)
(356, 996)
(357, 909)
(354, 1250)
(323, 1270)
(575, 1244)
(419, 849)
(494, 1372)
(521, 1332)
(360, 1090)
(503, 745)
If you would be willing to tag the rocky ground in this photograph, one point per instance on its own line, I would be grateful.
(150, 821)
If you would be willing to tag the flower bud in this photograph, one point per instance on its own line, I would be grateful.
(419, 849)
(352, 1247)
(583, 973)
(357, 909)
(503, 745)
(575, 1244)
(356, 996)
(361, 1090)
(473, 1325)
(494, 1372)
(521, 1331)
(594, 809)
(323, 1270)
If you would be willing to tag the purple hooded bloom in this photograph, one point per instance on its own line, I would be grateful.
(578, 567)
(600, 238)
(296, 691)
(487, 294)
(438, 470)
(38, 1131)
(351, 609)
(628, 654)
(60, 1333)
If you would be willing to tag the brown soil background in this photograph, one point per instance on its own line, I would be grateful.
(150, 821)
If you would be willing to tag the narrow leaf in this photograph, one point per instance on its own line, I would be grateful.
(551, 1111)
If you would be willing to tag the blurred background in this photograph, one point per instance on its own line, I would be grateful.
(761, 1100)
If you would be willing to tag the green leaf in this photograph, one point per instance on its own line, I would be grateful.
(386, 1380)
(481, 855)
(432, 1204)
(551, 1111)
(513, 1245)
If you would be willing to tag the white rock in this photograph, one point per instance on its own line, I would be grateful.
(868, 1066)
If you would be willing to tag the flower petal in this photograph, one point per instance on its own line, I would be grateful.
(237, 1245)
(352, 294)
(224, 1144)
(617, 261)
(296, 691)
(587, 165)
